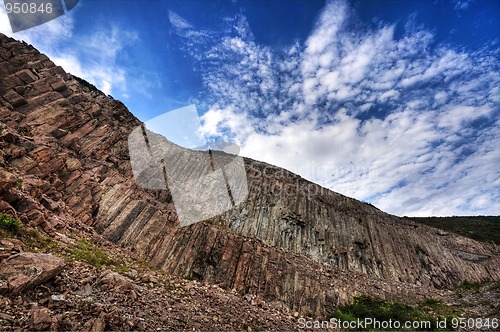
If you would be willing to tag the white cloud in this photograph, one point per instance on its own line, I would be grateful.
(92, 57)
(462, 4)
(177, 21)
(420, 153)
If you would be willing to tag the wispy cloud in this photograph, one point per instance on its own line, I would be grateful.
(92, 57)
(462, 4)
(409, 126)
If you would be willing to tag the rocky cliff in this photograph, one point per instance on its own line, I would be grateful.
(64, 161)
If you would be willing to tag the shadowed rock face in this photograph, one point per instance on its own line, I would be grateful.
(64, 160)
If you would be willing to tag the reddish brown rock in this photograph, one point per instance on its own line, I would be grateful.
(73, 164)
(7, 180)
(25, 270)
(14, 98)
(40, 319)
(59, 86)
(115, 281)
(27, 76)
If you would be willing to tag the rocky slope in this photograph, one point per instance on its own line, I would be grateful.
(89, 295)
(64, 161)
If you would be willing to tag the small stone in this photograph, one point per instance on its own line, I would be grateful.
(40, 318)
(59, 86)
(72, 164)
(57, 297)
(115, 280)
(7, 180)
(58, 133)
(86, 290)
(132, 273)
(100, 323)
(249, 298)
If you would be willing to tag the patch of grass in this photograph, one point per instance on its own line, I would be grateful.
(89, 253)
(143, 266)
(31, 238)
(480, 228)
(254, 327)
(10, 224)
(384, 311)
(431, 304)
(190, 277)
(495, 286)
(120, 268)
(38, 242)
(471, 285)
(440, 309)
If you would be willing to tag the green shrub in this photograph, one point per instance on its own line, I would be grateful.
(91, 254)
(481, 228)
(471, 285)
(382, 310)
(9, 223)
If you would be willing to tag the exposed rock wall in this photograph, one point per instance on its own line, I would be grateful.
(64, 160)
(288, 212)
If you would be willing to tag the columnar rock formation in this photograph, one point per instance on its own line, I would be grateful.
(64, 160)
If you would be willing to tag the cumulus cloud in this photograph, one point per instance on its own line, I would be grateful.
(408, 126)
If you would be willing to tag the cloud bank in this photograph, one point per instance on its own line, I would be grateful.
(402, 123)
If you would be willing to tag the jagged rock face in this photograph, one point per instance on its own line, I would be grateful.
(288, 212)
(64, 160)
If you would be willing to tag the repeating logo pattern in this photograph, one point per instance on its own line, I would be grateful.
(204, 180)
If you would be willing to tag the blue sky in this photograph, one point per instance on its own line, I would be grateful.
(394, 102)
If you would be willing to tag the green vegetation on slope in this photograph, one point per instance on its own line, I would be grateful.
(89, 253)
(9, 224)
(481, 228)
(34, 240)
(365, 307)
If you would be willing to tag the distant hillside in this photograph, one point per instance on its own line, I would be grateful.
(479, 228)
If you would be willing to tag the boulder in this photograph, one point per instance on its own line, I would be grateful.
(40, 319)
(115, 281)
(25, 270)
(7, 180)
